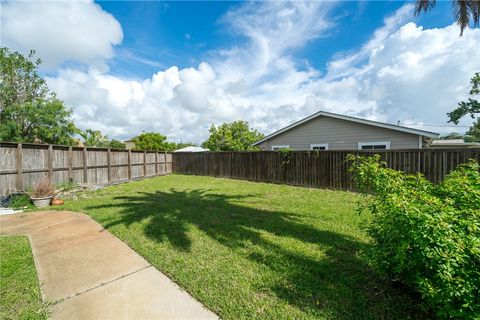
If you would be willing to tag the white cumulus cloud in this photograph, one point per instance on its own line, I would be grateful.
(60, 31)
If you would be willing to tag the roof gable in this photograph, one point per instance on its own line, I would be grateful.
(352, 119)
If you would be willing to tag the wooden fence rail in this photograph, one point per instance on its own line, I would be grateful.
(21, 165)
(324, 169)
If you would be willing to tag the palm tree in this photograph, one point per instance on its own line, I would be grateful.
(463, 10)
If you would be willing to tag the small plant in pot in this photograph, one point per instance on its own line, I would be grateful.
(42, 193)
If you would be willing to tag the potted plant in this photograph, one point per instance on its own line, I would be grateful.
(42, 193)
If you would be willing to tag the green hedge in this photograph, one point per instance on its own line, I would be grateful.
(426, 235)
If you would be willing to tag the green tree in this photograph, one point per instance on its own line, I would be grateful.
(116, 144)
(184, 145)
(473, 134)
(469, 107)
(94, 138)
(29, 111)
(235, 136)
(451, 136)
(464, 11)
(153, 141)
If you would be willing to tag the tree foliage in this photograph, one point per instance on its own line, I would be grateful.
(116, 144)
(426, 235)
(451, 136)
(153, 141)
(464, 11)
(469, 107)
(29, 111)
(184, 145)
(94, 138)
(235, 136)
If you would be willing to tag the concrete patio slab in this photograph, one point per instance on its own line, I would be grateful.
(90, 274)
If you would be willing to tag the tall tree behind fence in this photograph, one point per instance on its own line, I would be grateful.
(21, 165)
(327, 169)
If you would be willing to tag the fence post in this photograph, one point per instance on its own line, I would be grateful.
(145, 163)
(109, 166)
(129, 165)
(156, 163)
(70, 164)
(50, 163)
(18, 165)
(85, 167)
(165, 162)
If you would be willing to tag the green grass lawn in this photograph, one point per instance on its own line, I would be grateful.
(19, 290)
(252, 250)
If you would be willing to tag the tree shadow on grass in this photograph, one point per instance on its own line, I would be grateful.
(339, 284)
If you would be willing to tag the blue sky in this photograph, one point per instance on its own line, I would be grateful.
(178, 67)
(184, 33)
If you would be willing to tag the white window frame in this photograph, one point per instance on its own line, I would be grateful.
(280, 146)
(313, 145)
(374, 143)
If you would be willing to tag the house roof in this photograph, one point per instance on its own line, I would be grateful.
(453, 143)
(424, 133)
(449, 141)
(192, 149)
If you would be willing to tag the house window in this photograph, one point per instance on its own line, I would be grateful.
(319, 146)
(381, 145)
(278, 147)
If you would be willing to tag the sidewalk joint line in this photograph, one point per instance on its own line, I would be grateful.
(102, 284)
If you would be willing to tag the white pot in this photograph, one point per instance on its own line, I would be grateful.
(41, 202)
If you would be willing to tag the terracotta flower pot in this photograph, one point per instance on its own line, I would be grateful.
(57, 202)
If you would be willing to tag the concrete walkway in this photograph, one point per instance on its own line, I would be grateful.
(90, 274)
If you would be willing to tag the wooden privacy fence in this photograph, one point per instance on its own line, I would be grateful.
(21, 165)
(326, 169)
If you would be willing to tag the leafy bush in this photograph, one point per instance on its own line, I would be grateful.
(20, 201)
(426, 235)
(286, 154)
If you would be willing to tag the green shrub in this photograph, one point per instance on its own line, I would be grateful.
(286, 155)
(426, 235)
(20, 201)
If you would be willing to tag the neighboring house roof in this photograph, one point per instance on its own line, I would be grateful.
(453, 143)
(352, 119)
(192, 149)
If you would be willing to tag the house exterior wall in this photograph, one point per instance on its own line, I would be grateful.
(340, 135)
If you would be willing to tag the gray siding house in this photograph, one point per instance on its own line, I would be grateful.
(331, 131)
